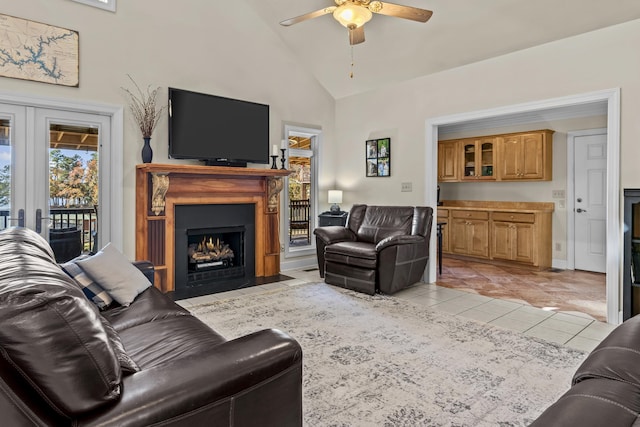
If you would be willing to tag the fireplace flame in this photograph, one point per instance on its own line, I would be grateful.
(208, 250)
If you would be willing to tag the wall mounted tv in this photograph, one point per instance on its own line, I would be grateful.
(217, 130)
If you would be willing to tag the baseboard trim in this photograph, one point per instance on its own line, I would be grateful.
(298, 263)
(559, 263)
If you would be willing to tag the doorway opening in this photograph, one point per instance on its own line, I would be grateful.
(612, 100)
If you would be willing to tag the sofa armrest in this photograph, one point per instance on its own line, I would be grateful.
(399, 240)
(147, 268)
(334, 234)
(250, 373)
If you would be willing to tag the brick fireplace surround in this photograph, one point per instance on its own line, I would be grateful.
(160, 187)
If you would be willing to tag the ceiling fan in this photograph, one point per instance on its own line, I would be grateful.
(353, 14)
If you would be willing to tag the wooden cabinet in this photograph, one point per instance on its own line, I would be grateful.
(448, 155)
(518, 232)
(512, 236)
(478, 159)
(469, 233)
(525, 156)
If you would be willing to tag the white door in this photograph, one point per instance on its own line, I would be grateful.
(32, 142)
(590, 201)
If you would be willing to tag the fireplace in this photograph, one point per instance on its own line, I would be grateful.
(162, 190)
(214, 248)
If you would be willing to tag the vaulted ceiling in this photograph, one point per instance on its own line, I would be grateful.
(459, 32)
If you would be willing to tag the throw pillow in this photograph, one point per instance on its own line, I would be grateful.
(93, 291)
(115, 273)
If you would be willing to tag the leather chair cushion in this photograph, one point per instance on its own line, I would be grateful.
(359, 254)
(151, 305)
(158, 342)
(381, 222)
(50, 332)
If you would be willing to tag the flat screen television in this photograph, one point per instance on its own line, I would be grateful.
(217, 130)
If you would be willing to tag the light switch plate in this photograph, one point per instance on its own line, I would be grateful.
(406, 187)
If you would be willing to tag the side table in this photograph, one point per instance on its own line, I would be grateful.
(330, 218)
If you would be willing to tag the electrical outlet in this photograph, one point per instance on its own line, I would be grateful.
(557, 194)
(281, 247)
(406, 187)
(561, 204)
(558, 246)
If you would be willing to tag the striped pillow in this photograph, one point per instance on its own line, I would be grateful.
(92, 290)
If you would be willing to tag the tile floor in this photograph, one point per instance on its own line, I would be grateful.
(562, 290)
(571, 329)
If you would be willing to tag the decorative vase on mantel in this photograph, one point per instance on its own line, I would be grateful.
(147, 152)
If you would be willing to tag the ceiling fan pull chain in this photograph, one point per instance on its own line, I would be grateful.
(351, 73)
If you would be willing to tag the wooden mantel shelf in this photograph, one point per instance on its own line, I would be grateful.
(160, 187)
(210, 170)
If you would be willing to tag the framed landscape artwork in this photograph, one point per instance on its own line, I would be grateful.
(378, 152)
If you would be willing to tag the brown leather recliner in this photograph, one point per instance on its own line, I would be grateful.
(381, 249)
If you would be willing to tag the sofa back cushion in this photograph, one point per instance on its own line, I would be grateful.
(51, 334)
(380, 222)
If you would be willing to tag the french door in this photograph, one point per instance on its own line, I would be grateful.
(50, 173)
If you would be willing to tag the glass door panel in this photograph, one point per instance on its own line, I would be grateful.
(299, 195)
(12, 178)
(469, 160)
(73, 189)
(486, 155)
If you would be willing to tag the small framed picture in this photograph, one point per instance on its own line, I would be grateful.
(378, 157)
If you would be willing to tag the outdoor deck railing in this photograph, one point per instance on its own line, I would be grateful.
(85, 219)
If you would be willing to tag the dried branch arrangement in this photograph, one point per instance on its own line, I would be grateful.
(143, 107)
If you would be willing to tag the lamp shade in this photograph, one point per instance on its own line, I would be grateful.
(352, 15)
(335, 196)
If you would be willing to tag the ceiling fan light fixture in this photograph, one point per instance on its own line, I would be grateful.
(351, 15)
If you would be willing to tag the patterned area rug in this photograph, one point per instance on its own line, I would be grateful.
(382, 361)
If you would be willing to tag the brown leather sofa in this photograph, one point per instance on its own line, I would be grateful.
(381, 248)
(62, 362)
(605, 390)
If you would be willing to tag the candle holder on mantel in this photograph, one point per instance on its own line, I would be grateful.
(283, 159)
(273, 162)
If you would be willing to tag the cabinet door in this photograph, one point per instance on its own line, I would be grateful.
(501, 240)
(510, 157)
(448, 161)
(485, 158)
(458, 236)
(532, 156)
(478, 159)
(478, 238)
(469, 163)
(523, 244)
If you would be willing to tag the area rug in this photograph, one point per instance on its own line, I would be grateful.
(382, 361)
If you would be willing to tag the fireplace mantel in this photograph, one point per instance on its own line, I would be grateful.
(160, 187)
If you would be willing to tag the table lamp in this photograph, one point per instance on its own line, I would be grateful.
(335, 197)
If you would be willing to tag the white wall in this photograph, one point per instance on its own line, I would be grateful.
(214, 47)
(595, 61)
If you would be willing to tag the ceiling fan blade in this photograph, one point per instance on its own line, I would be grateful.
(309, 15)
(406, 12)
(356, 35)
